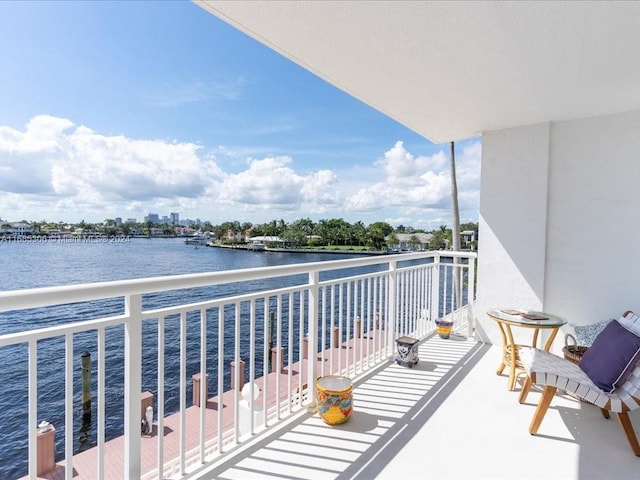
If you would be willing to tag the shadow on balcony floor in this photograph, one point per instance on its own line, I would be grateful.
(390, 407)
(450, 417)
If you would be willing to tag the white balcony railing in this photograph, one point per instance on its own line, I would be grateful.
(312, 319)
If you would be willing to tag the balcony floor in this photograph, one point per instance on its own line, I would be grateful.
(450, 416)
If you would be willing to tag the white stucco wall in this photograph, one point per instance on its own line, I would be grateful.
(593, 254)
(559, 219)
(513, 218)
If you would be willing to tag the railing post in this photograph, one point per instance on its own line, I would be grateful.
(33, 409)
(391, 308)
(434, 313)
(471, 285)
(312, 353)
(132, 385)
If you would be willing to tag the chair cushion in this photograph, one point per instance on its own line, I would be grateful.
(614, 353)
(545, 368)
(631, 322)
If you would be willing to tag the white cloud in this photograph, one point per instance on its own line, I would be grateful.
(26, 158)
(56, 170)
(417, 190)
(271, 184)
(402, 168)
(409, 182)
(42, 134)
(84, 171)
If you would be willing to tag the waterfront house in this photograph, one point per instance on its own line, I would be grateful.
(413, 242)
(468, 238)
(272, 240)
(16, 228)
(234, 236)
(552, 88)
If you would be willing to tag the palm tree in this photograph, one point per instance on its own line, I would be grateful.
(439, 240)
(455, 230)
(392, 240)
(414, 241)
(360, 232)
(322, 230)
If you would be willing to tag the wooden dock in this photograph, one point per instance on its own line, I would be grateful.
(85, 462)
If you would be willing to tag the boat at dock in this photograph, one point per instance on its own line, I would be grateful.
(198, 238)
(256, 246)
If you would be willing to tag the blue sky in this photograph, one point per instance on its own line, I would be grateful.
(119, 109)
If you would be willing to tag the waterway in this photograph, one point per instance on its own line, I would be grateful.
(41, 264)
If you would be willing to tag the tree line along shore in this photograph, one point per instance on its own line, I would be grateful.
(303, 233)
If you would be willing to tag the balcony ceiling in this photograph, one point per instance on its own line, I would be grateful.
(451, 70)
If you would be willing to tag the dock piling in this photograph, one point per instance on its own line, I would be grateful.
(240, 366)
(197, 384)
(272, 319)
(46, 440)
(86, 383)
(305, 346)
(275, 367)
(335, 342)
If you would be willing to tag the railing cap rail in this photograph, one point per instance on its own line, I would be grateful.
(47, 296)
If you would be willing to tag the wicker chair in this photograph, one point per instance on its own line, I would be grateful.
(553, 373)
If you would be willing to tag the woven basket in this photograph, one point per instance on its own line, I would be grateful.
(573, 352)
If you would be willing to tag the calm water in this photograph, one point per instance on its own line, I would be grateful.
(50, 264)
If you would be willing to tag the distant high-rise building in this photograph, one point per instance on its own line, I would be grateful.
(152, 217)
(165, 220)
(118, 220)
(175, 218)
(132, 220)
